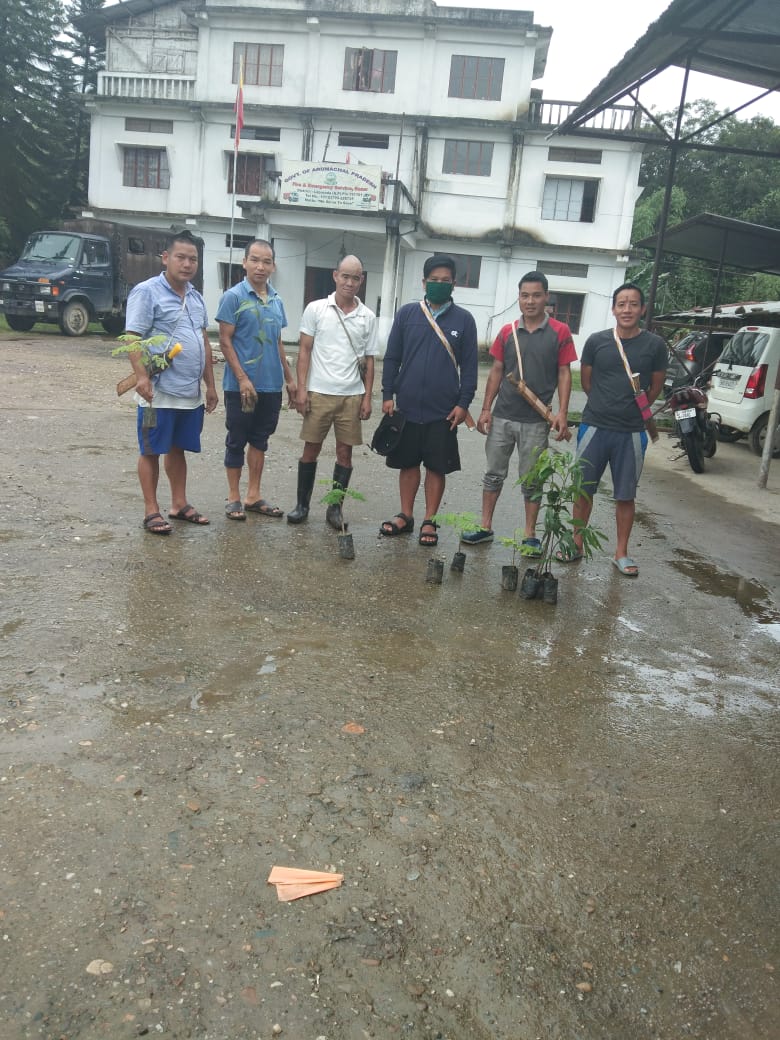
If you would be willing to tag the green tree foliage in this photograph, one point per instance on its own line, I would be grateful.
(740, 186)
(45, 67)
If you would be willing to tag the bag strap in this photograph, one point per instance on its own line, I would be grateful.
(358, 357)
(517, 351)
(444, 341)
(633, 377)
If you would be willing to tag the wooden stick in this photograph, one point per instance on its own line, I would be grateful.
(544, 410)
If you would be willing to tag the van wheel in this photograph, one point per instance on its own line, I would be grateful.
(727, 434)
(74, 318)
(757, 437)
(114, 324)
(19, 324)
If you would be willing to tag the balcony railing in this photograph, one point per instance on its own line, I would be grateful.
(553, 113)
(144, 85)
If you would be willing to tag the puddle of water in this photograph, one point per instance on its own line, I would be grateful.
(750, 596)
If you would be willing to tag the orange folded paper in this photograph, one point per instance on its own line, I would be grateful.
(293, 883)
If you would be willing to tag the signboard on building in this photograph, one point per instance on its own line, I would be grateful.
(330, 185)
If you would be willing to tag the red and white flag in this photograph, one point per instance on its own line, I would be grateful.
(239, 108)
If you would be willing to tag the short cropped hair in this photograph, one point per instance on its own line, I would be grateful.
(534, 276)
(259, 242)
(439, 260)
(628, 285)
(181, 236)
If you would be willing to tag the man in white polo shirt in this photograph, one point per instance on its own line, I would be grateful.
(335, 378)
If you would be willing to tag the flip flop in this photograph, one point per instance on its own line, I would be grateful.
(154, 523)
(264, 509)
(190, 515)
(568, 557)
(390, 530)
(235, 511)
(627, 566)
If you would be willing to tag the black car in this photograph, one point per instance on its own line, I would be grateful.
(694, 352)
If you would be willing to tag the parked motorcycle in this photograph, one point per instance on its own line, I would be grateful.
(696, 427)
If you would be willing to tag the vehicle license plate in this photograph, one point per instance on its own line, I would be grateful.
(685, 413)
(39, 306)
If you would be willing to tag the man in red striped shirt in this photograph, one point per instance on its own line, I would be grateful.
(539, 350)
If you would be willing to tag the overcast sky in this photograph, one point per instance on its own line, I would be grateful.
(591, 36)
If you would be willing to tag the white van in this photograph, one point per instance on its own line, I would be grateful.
(743, 385)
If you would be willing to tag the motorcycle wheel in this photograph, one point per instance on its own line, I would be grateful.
(694, 449)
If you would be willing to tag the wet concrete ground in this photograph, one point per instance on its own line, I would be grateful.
(553, 822)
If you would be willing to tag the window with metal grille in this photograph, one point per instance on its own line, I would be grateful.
(369, 70)
(553, 267)
(474, 158)
(478, 78)
(250, 174)
(568, 199)
(567, 307)
(146, 168)
(149, 126)
(579, 155)
(257, 133)
(468, 269)
(263, 63)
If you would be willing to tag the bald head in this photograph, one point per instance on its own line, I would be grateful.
(348, 277)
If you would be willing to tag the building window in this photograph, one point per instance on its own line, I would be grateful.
(369, 70)
(262, 63)
(569, 199)
(468, 269)
(252, 174)
(149, 126)
(352, 139)
(146, 168)
(567, 307)
(479, 78)
(578, 155)
(256, 133)
(470, 157)
(556, 267)
(239, 241)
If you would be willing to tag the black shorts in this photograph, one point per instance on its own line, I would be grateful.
(434, 444)
(249, 427)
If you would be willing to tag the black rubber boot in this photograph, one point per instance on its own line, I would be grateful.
(307, 471)
(333, 515)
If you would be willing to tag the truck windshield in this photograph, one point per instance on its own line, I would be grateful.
(52, 246)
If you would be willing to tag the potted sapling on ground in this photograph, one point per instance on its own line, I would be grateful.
(335, 497)
(510, 571)
(557, 478)
(462, 523)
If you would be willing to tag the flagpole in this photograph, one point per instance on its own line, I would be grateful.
(239, 108)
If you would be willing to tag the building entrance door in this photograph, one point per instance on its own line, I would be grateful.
(319, 284)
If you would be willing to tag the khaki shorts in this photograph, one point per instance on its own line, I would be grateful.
(326, 410)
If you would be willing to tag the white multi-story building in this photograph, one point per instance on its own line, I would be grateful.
(387, 128)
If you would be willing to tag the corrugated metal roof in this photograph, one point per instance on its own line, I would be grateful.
(733, 39)
(736, 242)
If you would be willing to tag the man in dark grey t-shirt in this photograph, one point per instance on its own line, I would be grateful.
(612, 431)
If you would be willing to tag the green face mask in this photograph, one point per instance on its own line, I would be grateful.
(438, 292)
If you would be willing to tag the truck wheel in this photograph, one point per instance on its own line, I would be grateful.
(19, 324)
(757, 437)
(113, 324)
(74, 318)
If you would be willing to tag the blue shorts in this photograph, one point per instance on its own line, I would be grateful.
(175, 428)
(253, 428)
(623, 451)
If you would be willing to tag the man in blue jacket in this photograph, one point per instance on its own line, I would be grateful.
(431, 369)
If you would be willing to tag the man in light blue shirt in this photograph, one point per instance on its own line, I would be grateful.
(170, 405)
(251, 318)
